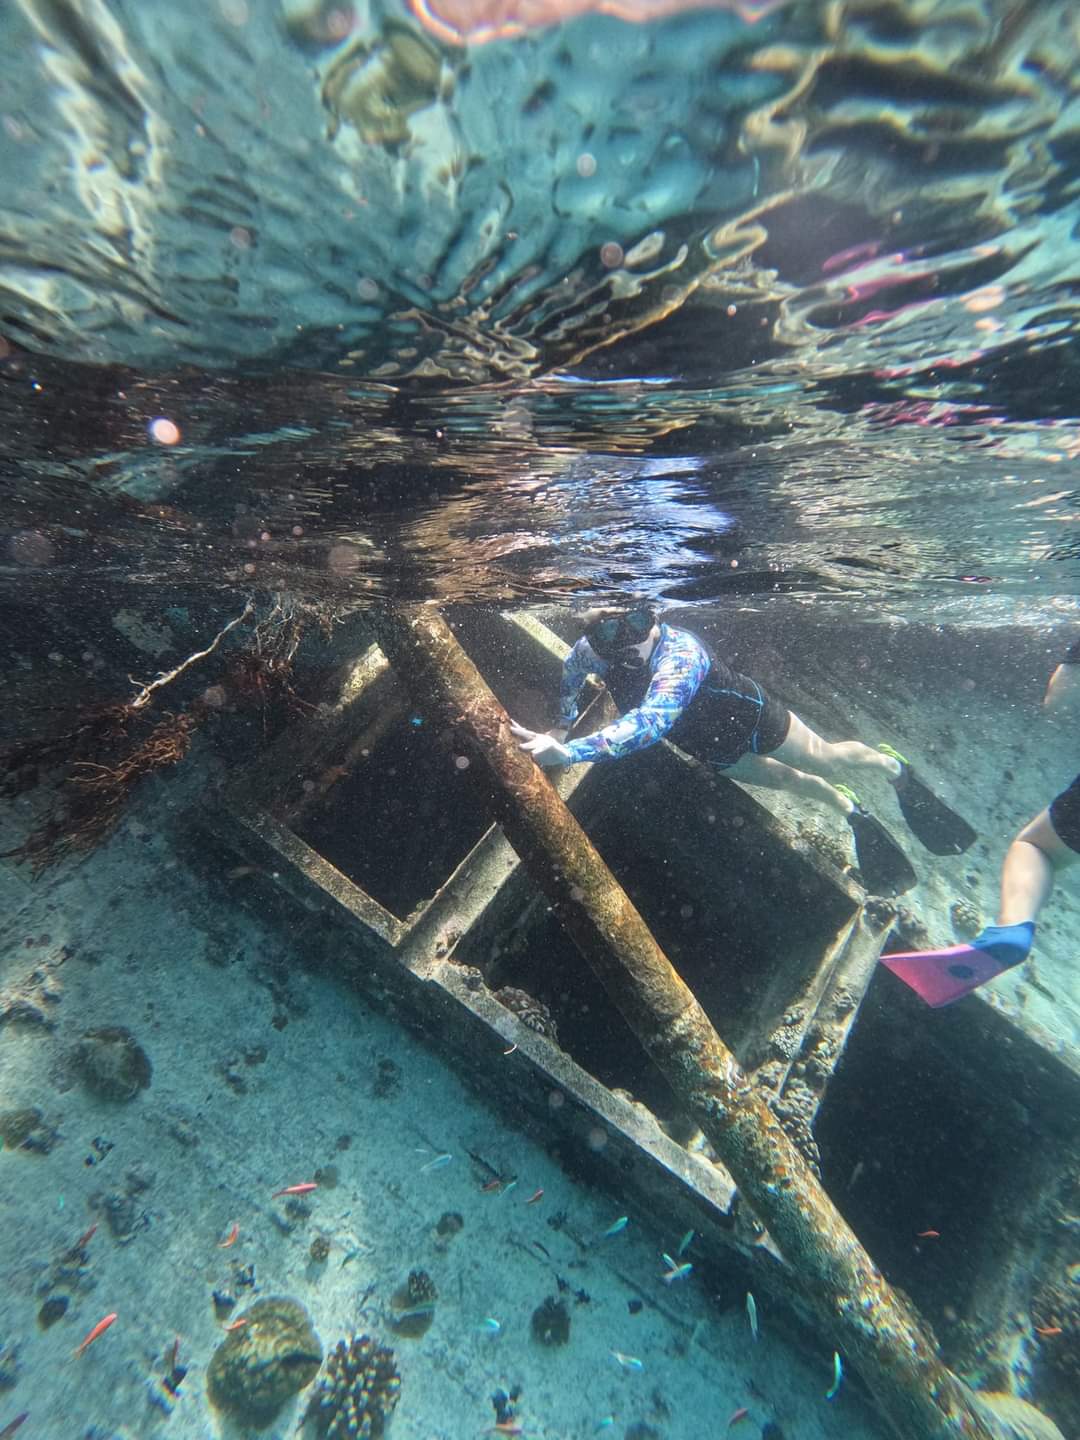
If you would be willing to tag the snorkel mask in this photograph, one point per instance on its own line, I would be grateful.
(616, 637)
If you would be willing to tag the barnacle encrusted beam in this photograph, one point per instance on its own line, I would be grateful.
(880, 1332)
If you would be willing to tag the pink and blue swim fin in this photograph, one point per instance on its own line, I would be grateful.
(941, 976)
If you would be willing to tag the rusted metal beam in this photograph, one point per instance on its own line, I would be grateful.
(878, 1330)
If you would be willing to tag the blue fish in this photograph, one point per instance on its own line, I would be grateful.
(838, 1375)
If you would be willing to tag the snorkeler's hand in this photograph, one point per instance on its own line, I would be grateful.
(544, 749)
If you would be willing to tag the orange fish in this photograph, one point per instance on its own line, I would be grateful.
(928, 1235)
(99, 1329)
(534, 1198)
(304, 1189)
(491, 1185)
(1048, 1329)
(742, 1413)
(230, 1239)
(236, 1324)
(85, 1239)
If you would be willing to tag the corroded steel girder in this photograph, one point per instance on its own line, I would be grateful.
(881, 1333)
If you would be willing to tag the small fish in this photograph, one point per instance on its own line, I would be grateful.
(85, 1238)
(437, 1163)
(751, 1314)
(511, 1050)
(230, 1238)
(491, 1185)
(304, 1189)
(539, 1195)
(99, 1329)
(604, 1423)
(235, 1324)
(1048, 1330)
(241, 872)
(175, 1354)
(685, 1243)
(742, 1413)
(13, 1425)
(928, 1235)
(614, 1229)
(490, 1324)
(628, 1362)
(511, 1186)
(676, 1272)
(837, 1375)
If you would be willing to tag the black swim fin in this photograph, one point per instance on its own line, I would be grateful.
(940, 829)
(884, 867)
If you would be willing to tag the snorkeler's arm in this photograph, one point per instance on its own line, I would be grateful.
(577, 667)
(1064, 687)
(675, 681)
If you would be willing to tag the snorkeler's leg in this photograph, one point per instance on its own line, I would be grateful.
(805, 749)
(885, 868)
(772, 774)
(1027, 876)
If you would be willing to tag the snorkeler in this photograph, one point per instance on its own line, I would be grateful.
(666, 682)
(1047, 844)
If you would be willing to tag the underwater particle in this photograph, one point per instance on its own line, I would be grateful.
(450, 1223)
(551, 1322)
(112, 1064)
(586, 165)
(320, 1249)
(265, 1362)
(597, 1138)
(556, 1100)
(611, 254)
(461, 762)
(31, 547)
(240, 237)
(164, 431)
(358, 1392)
(367, 289)
(413, 1305)
(53, 1310)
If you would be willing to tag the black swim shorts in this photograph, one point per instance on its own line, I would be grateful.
(1065, 816)
(731, 716)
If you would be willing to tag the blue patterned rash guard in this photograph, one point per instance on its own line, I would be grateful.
(676, 668)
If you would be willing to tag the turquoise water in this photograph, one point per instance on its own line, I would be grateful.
(312, 311)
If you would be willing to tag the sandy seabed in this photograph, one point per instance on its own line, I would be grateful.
(265, 1073)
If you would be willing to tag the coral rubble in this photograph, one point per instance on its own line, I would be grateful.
(112, 1063)
(357, 1394)
(530, 1011)
(261, 1365)
(551, 1322)
(413, 1305)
